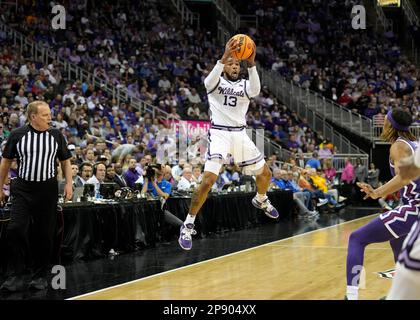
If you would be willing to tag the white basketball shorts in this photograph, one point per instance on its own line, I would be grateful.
(223, 143)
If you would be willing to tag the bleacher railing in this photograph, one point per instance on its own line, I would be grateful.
(326, 108)
(378, 123)
(387, 24)
(223, 35)
(338, 160)
(229, 13)
(74, 72)
(270, 147)
(409, 12)
(293, 97)
(187, 16)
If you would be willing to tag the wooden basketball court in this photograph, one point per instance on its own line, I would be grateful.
(307, 266)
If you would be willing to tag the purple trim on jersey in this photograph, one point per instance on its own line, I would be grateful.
(399, 213)
(394, 123)
(399, 221)
(212, 155)
(251, 162)
(226, 128)
(404, 257)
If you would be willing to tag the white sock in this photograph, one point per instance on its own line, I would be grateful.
(352, 293)
(261, 197)
(190, 219)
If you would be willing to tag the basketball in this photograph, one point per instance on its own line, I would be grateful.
(246, 47)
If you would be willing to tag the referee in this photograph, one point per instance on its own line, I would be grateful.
(34, 194)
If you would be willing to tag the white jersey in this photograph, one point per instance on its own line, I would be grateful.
(229, 101)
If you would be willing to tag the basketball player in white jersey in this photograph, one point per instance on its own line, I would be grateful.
(406, 284)
(229, 98)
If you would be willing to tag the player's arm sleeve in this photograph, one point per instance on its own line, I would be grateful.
(213, 79)
(254, 84)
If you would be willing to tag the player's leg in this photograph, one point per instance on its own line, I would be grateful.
(263, 180)
(251, 160)
(260, 200)
(374, 232)
(396, 245)
(198, 198)
(405, 285)
(200, 194)
(217, 149)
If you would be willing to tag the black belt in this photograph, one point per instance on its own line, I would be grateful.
(227, 128)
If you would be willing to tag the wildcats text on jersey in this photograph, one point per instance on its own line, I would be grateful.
(231, 92)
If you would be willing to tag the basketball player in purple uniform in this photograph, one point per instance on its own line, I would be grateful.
(394, 225)
(406, 284)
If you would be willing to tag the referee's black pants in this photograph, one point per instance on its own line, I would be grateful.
(30, 233)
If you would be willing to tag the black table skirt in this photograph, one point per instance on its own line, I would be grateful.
(222, 212)
(87, 231)
(92, 230)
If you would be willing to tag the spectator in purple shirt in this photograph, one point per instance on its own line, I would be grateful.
(292, 143)
(371, 110)
(131, 175)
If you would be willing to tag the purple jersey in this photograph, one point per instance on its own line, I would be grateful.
(410, 253)
(400, 220)
(412, 191)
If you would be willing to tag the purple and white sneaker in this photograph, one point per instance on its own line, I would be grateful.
(185, 237)
(266, 206)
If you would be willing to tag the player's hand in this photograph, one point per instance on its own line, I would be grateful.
(251, 59)
(231, 46)
(368, 189)
(68, 192)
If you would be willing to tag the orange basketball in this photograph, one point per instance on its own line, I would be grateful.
(246, 47)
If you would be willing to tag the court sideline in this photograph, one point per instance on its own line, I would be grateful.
(307, 266)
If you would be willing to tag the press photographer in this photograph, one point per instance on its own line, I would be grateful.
(155, 184)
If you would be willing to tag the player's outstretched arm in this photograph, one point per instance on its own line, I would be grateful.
(212, 79)
(409, 168)
(254, 87)
(398, 152)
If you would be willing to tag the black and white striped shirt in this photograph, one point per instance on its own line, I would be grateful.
(36, 152)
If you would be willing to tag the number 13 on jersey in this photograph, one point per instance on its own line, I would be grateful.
(230, 101)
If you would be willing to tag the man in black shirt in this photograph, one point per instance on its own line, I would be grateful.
(34, 192)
